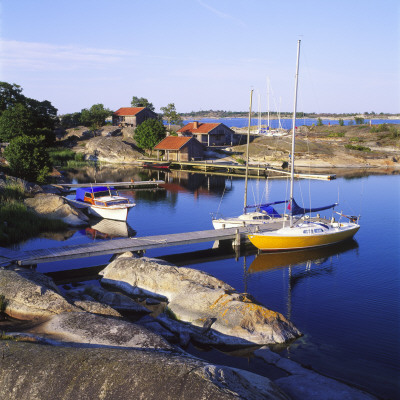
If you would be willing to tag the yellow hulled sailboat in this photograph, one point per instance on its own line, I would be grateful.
(304, 232)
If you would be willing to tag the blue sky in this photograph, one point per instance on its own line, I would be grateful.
(203, 54)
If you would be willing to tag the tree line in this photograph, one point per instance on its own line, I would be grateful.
(28, 126)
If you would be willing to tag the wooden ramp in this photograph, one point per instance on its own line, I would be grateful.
(116, 246)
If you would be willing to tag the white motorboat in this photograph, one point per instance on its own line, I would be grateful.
(104, 202)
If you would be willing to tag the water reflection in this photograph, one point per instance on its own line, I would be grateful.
(176, 180)
(318, 256)
(108, 229)
(316, 262)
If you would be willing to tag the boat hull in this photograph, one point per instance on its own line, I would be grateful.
(275, 241)
(115, 213)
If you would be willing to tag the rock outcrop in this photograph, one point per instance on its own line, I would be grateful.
(28, 188)
(55, 207)
(30, 296)
(111, 150)
(204, 301)
(82, 355)
(30, 371)
(96, 330)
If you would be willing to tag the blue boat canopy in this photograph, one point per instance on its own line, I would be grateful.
(297, 210)
(80, 192)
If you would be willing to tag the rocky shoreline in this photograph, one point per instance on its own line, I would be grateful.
(316, 147)
(126, 338)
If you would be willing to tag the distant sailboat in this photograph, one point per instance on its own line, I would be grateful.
(303, 233)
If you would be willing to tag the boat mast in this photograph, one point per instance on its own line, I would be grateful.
(268, 127)
(293, 134)
(247, 153)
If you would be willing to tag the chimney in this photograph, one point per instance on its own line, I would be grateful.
(195, 125)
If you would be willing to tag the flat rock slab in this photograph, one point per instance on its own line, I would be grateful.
(30, 371)
(30, 295)
(96, 330)
(203, 300)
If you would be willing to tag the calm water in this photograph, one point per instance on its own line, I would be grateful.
(345, 299)
(287, 123)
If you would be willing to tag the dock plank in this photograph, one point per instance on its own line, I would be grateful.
(134, 244)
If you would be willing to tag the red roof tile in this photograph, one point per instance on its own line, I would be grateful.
(204, 127)
(128, 111)
(172, 143)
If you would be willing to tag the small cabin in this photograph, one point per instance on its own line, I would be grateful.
(177, 148)
(132, 116)
(209, 134)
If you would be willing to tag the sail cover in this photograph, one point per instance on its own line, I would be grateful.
(297, 210)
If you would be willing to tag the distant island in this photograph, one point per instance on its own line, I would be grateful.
(218, 114)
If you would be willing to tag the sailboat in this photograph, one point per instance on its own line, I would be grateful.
(252, 214)
(304, 233)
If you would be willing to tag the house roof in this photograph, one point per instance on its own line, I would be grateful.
(202, 127)
(129, 111)
(172, 143)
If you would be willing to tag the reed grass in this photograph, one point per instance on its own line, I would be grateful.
(17, 222)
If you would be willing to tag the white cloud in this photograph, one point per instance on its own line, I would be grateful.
(44, 56)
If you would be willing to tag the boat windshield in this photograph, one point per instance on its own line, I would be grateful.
(111, 192)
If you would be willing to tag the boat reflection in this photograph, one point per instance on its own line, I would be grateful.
(109, 229)
(269, 261)
(286, 261)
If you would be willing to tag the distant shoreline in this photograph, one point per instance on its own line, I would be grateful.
(393, 118)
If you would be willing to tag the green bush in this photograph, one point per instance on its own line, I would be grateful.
(149, 133)
(28, 158)
(341, 122)
(357, 147)
(336, 134)
(60, 156)
(319, 122)
(80, 157)
(379, 128)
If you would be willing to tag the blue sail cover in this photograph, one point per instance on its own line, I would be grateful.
(80, 192)
(297, 210)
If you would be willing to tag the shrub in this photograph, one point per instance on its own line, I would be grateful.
(60, 156)
(394, 132)
(341, 122)
(319, 122)
(80, 157)
(28, 158)
(379, 128)
(357, 147)
(359, 120)
(336, 134)
(149, 133)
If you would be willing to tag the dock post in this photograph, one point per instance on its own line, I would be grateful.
(236, 241)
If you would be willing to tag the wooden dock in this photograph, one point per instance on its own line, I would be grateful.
(233, 169)
(132, 184)
(135, 244)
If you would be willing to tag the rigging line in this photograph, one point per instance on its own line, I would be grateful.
(219, 205)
